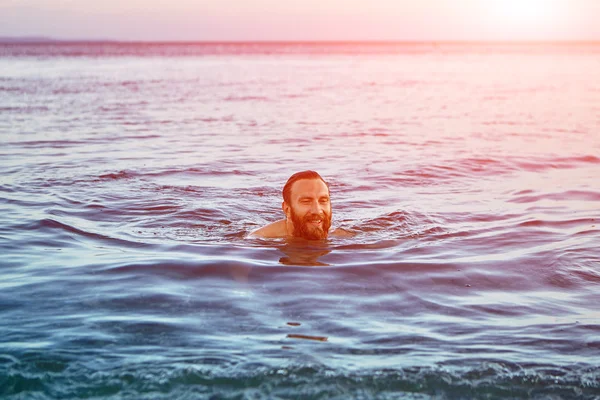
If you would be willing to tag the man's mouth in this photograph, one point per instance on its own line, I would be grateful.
(315, 221)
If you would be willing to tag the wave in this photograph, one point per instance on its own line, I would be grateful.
(25, 109)
(194, 376)
(454, 170)
(208, 171)
(62, 143)
(558, 224)
(246, 98)
(542, 164)
(63, 233)
(569, 195)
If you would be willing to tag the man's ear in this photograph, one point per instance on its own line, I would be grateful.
(286, 209)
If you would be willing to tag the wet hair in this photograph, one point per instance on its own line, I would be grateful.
(287, 189)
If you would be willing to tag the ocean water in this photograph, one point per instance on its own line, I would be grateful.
(131, 174)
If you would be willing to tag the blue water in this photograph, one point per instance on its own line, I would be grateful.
(131, 174)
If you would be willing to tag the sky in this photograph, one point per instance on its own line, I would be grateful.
(307, 20)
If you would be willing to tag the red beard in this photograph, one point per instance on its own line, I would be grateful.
(304, 229)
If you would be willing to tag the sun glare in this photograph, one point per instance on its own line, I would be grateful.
(524, 11)
(527, 19)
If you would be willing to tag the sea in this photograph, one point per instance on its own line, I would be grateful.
(132, 173)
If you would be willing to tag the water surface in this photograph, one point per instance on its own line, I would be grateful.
(131, 174)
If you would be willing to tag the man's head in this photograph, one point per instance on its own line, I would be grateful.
(307, 206)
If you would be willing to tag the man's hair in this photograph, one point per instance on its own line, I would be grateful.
(287, 189)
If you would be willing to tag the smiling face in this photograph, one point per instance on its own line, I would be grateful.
(308, 213)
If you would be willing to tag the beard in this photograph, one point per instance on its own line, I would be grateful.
(304, 229)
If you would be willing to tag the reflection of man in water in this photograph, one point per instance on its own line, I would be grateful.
(307, 210)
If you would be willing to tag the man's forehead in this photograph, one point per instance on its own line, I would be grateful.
(309, 187)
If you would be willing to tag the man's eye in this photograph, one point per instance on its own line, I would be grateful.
(324, 200)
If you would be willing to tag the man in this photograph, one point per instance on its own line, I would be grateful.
(307, 208)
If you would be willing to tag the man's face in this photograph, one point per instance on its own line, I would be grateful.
(310, 209)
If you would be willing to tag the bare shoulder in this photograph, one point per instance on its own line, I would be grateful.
(339, 232)
(273, 230)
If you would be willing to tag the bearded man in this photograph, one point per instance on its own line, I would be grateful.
(307, 208)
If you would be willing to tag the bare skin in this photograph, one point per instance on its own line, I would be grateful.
(278, 229)
(310, 198)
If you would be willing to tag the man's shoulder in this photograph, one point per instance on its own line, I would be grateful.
(277, 229)
(341, 232)
(273, 230)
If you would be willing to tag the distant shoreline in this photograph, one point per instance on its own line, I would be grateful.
(47, 40)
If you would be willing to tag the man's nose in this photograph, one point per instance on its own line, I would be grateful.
(315, 208)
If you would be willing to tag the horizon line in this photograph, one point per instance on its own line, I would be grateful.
(48, 40)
